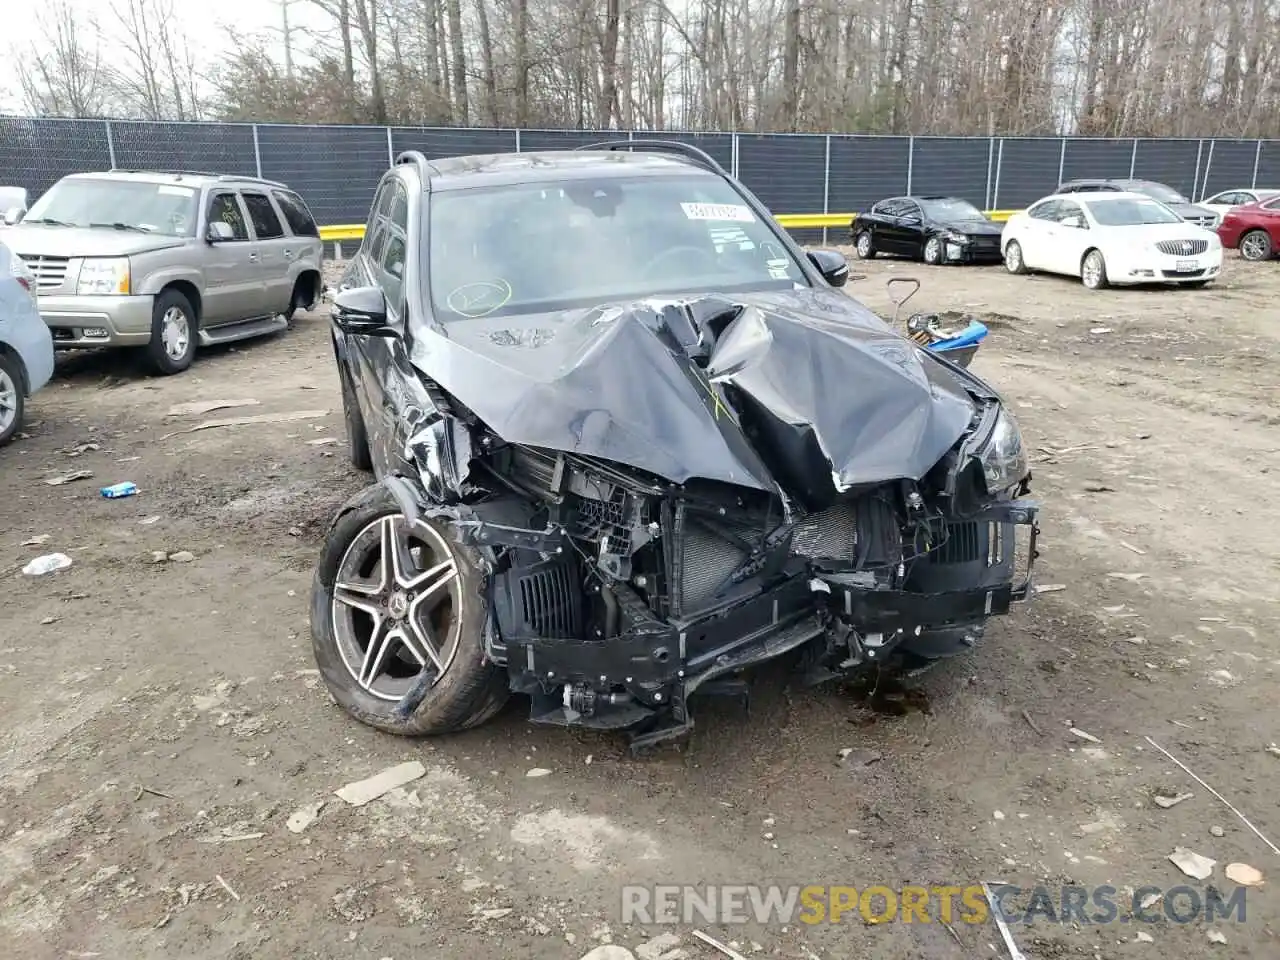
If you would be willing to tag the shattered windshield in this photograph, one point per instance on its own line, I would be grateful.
(1130, 212)
(135, 205)
(951, 210)
(538, 247)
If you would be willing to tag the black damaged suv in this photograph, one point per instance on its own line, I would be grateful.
(628, 440)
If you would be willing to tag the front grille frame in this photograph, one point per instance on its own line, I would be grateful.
(1178, 248)
(50, 273)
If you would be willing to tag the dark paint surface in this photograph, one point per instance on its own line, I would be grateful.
(614, 382)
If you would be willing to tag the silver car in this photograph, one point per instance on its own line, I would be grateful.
(168, 261)
(26, 347)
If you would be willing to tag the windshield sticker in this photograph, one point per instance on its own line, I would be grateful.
(725, 236)
(730, 212)
(778, 269)
(479, 299)
(176, 191)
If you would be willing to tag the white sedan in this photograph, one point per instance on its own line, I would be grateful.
(1222, 202)
(1110, 238)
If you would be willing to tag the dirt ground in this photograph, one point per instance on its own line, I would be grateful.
(163, 720)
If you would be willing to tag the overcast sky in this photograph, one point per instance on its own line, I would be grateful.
(206, 22)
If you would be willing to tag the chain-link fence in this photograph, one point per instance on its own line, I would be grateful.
(336, 168)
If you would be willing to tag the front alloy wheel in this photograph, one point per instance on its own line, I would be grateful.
(394, 604)
(397, 609)
(173, 333)
(1013, 261)
(933, 251)
(1093, 272)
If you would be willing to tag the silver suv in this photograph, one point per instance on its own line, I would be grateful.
(168, 261)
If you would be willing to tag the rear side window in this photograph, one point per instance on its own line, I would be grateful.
(265, 222)
(1045, 211)
(296, 214)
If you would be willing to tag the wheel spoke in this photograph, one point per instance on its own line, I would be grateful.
(357, 597)
(431, 580)
(395, 551)
(381, 643)
(421, 642)
(417, 640)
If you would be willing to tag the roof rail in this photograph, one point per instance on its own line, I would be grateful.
(416, 157)
(690, 152)
(420, 162)
(247, 179)
(168, 173)
(203, 173)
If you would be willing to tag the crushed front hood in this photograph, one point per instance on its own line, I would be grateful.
(977, 228)
(799, 382)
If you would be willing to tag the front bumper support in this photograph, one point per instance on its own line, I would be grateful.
(656, 665)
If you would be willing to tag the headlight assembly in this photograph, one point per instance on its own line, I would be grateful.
(952, 237)
(1003, 457)
(99, 275)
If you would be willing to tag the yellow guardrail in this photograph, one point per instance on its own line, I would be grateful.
(792, 221)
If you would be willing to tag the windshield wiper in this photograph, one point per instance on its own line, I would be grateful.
(121, 226)
(48, 220)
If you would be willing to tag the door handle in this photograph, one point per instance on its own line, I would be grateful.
(253, 258)
(288, 254)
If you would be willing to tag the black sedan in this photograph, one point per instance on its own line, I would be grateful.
(933, 229)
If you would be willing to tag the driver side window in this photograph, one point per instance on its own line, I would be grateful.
(225, 208)
(1066, 210)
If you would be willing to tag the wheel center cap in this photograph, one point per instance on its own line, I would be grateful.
(398, 605)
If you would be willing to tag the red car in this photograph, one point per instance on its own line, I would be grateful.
(1253, 229)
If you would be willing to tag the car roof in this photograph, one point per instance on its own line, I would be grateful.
(1107, 180)
(190, 178)
(502, 169)
(920, 196)
(1096, 198)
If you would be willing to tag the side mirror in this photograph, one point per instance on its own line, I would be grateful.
(832, 265)
(362, 311)
(13, 215)
(1075, 222)
(219, 232)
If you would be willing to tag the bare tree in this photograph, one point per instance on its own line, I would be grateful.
(1120, 68)
(153, 75)
(63, 76)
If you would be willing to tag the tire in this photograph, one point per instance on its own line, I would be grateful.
(466, 690)
(1013, 261)
(864, 246)
(1256, 245)
(357, 437)
(933, 251)
(13, 402)
(1093, 270)
(174, 331)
